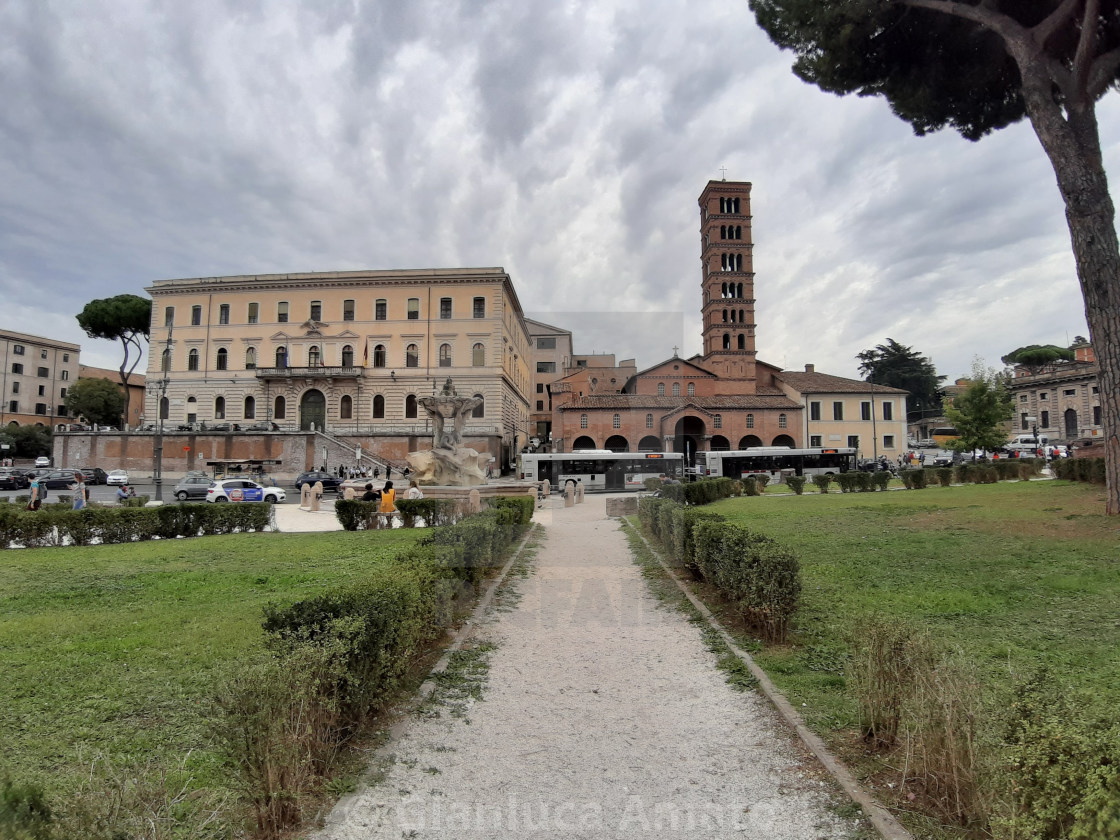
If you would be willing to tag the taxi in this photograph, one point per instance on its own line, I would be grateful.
(243, 490)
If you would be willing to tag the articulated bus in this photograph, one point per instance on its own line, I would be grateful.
(772, 460)
(601, 469)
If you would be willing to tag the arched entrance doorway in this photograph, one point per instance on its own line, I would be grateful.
(617, 443)
(747, 441)
(1071, 423)
(783, 440)
(583, 442)
(313, 409)
(686, 438)
(650, 443)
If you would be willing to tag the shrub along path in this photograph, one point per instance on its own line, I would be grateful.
(603, 715)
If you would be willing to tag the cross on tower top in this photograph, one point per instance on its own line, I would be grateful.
(723, 172)
(675, 348)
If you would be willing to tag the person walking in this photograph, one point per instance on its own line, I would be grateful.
(388, 471)
(38, 493)
(377, 472)
(81, 493)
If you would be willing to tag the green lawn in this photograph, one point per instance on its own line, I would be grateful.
(1014, 574)
(112, 650)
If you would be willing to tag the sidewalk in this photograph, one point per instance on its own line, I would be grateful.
(603, 716)
(293, 519)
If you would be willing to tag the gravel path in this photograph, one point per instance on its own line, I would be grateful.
(604, 716)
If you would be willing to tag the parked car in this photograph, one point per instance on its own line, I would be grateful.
(117, 477)
(193, 487)
(13, 480)
(222, 427)
(94, 475)
(58, 479)
(77, 427)
(243, 490)
(37, 472)
(330, 482)
(42, 461)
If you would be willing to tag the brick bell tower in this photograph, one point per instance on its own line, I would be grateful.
(727, 284)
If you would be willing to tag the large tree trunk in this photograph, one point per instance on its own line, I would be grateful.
(1072, 142)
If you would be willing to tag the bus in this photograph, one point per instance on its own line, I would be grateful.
(778, 460)
(601, 469)
(943, 434)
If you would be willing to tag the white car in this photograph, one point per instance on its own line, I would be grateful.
(243, 490)
(117, 477)
(42, 461)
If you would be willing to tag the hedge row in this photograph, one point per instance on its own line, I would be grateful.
(357, 515)
(754, 572)
(55, 525)
(1080, 469)
(703, 491)
(399, 606)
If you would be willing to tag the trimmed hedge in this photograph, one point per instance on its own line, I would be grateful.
(1080, 469)
(760, 577)
(701, 492)
(55, 525)
(398, 607)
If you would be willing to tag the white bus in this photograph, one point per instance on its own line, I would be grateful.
(773, 460)
(601, 469)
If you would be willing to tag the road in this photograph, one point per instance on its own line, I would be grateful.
(107, 494)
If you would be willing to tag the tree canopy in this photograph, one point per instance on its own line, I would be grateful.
(98, 400)
(1036, 357)
(123, 318)
(26, 441)
(977, 66)
(899, 366)
(980, 413)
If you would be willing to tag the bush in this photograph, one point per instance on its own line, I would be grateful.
(762, 479)
(847, 481)
(882, 479)
(680, 537)
(864, 481)
(522, 507)
(1060, 767)
(914, 479)
(24, 812)
(750, 486)
(822, 482)
(756, 574)
(796, 483)
(945, 476)
(886, 657)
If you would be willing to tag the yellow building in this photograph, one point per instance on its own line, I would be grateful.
(35, 373)
(849, 412)
(347, 353)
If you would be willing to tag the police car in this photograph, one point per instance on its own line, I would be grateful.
(243, 490)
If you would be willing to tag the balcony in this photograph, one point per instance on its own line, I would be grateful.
(318, 372)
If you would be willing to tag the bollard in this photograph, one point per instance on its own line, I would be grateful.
(305, 496)
(316, 495)
(348, 493)
(569, 495)
(579, 493)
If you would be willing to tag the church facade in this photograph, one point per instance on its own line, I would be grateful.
(725, 397)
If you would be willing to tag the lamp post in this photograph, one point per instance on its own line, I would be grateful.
(157, 447)
(1033, 420)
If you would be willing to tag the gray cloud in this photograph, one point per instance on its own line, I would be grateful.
(567, 142)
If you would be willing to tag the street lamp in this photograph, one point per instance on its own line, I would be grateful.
(1033, 420)
(157, 446)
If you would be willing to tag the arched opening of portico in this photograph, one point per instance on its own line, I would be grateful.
(720, 443)
(747, 441)
(687, 436)
(617, 443)
(650, 443)
(583, 442)
(783, 440)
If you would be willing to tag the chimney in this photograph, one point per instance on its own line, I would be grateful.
(810, 369)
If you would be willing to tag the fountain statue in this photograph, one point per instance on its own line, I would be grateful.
(448, 463)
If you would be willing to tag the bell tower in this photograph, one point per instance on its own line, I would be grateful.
(727, 283)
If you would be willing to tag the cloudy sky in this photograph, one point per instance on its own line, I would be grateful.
(566, 140)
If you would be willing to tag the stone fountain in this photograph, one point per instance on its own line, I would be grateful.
(448, 463)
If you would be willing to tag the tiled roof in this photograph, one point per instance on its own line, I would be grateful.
(823, 383)
(642, 401)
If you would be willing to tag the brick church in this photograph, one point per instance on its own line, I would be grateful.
(725, 397)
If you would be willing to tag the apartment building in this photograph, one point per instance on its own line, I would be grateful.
(37, 372)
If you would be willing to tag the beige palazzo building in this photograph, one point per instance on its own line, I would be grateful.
(347, 353)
